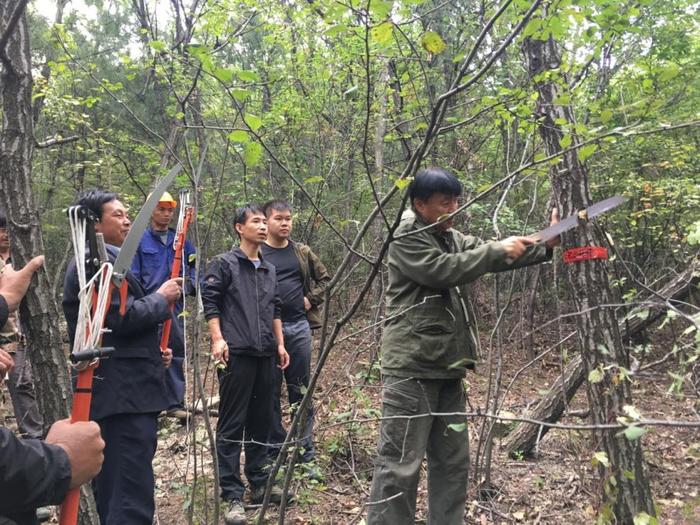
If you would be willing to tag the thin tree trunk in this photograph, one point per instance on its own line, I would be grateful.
(39, 313)
(626, 491)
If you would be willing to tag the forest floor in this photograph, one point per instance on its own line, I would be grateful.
(558, 486)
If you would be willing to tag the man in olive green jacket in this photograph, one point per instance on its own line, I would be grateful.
(427, 347)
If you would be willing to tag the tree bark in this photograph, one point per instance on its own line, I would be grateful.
(38, 312)
(525, 437)
(626, 491)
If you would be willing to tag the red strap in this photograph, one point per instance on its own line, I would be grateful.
(585, 253)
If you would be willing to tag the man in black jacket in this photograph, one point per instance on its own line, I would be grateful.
(35, 473)
(129, 387)
(242, 307)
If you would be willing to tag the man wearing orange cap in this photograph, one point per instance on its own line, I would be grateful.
(152, 266)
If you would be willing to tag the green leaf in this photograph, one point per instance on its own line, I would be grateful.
(157, 45)
(586, 151)
(246, 75)
(645, 519)
(600, 458)
(313, 180)
(433, 43)
(563, 99)
(381, 8)
(595, 375)
(565, 141)
(457, 427)
(381, 33)
(669, 72)
(253, 122)
(240, 94)
(605, 116)
(532, 27)
(252, 154)
(403, 183)
(239, 135)
(634, 433)
(224, 74)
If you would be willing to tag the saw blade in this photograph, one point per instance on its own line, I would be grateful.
(582, 216)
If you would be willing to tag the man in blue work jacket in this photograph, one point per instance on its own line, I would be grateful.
(152, 266)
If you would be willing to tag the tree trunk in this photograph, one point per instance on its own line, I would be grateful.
(525, 437)
(626, 488)
(38, 312)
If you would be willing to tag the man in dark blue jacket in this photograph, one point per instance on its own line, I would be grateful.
(129, 387)
(242, 308)
(35, 473)
(152, 266)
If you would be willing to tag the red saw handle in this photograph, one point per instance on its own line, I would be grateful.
(82, 397)
(177, 265)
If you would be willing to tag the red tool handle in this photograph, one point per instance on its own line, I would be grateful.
(82, 396)
(177, 265)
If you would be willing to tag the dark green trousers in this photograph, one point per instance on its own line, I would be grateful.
(408, 433)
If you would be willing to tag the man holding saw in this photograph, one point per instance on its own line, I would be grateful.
(428, 345)
(128, 392)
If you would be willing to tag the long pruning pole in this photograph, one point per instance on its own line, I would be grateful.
(183, 223)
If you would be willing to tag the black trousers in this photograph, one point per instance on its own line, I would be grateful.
(124, 486)
(246, 389)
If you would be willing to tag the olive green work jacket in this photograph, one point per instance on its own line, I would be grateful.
(427, 331)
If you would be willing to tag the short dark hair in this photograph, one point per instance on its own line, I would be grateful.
(3, 219)
(277, 205)
(245, 211)
(94, 199)
(429, 181)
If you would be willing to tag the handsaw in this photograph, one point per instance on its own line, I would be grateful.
(578, 218)
(126, 253)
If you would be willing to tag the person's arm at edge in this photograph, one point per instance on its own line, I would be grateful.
(33, 473)
(319, 280)
(282, 354)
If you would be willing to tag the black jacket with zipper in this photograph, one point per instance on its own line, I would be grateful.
(245, 300)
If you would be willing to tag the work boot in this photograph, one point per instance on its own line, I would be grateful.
(235, 515)
(258, 493)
